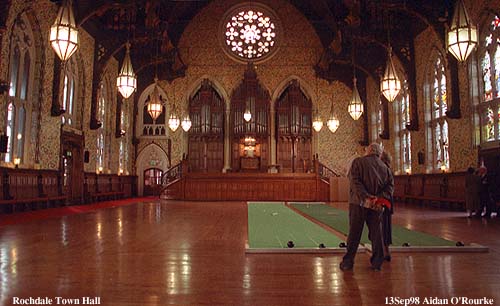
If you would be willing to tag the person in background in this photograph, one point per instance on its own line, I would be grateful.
(369, 179)
(472, 185)
(387, 214)
(484, 193)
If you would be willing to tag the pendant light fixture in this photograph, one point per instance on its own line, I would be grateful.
(317, 123)
(333, 122)
(390, 85)
(186, 123)
(462, 35)
(155, 105)
(126, 81)
(173, 120)
(63, 33)
(355, 107)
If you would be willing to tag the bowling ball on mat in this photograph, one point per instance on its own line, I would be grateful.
(290, 244)
(321, 246)
(459, 243)
(342, 245)
(406, 244)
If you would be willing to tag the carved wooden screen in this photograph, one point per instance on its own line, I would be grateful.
(250, 140)
(206, 136)
(293, 126)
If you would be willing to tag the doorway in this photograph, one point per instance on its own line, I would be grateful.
(72, 166)
(152, 181)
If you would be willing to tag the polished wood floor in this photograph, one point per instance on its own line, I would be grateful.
(193, 253)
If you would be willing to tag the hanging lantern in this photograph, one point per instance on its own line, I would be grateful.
(63, 32)
(186, 123)
(126, 81)
(155, 106)
(355, 107)
(317, 123)
(390, 84)
(462, 36)
(333, 122)
(173, 121)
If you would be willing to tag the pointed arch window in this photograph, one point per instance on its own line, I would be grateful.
(438, 144)
(488, 105)
(101, 133)
(403, 135)
(124, 124)
(19, 100)
(69, 90)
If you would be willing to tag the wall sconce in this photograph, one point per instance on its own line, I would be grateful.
(120, 172)
(408, 171)
(17, 161)
(443, 168)
(100, 170)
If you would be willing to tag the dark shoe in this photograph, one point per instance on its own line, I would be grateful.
(375, 268)
(345, 266)
(387, 258)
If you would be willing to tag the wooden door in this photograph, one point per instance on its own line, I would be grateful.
(72, 166)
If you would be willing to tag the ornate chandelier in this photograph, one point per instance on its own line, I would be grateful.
(355, 107)
(333, 122)
(390, 84)
(126, 81)
(63, 32)
(155, 106)
(462, 36)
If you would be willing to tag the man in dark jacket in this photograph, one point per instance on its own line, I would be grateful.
(369, 179)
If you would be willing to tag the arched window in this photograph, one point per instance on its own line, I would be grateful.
(19, 100)
(123, 160)
(101, 132)
(376, 121)
(488, 107)
(403, 136)
(438, 145)
(69, 88)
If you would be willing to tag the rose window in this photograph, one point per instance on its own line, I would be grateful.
(250, 34)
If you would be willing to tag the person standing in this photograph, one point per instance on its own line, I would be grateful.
(369, 179)
(484, 193)
(387, 214)
(472, 185)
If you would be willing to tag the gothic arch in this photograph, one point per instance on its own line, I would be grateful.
(151, 154)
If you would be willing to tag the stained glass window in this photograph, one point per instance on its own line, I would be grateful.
(488, 109)
(437, 126)
(69, 92)
(250, 34)
(101, 117)
(403, 142)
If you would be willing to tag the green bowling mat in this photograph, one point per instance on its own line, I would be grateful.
(338, 220)
(272, 225)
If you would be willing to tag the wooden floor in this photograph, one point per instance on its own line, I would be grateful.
(180, 253)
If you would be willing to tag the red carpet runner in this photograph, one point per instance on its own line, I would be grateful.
(17, 218)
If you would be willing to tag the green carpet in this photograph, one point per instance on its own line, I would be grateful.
(338, 220)
(272, 225)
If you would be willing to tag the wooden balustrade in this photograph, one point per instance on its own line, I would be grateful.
(250, 187)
